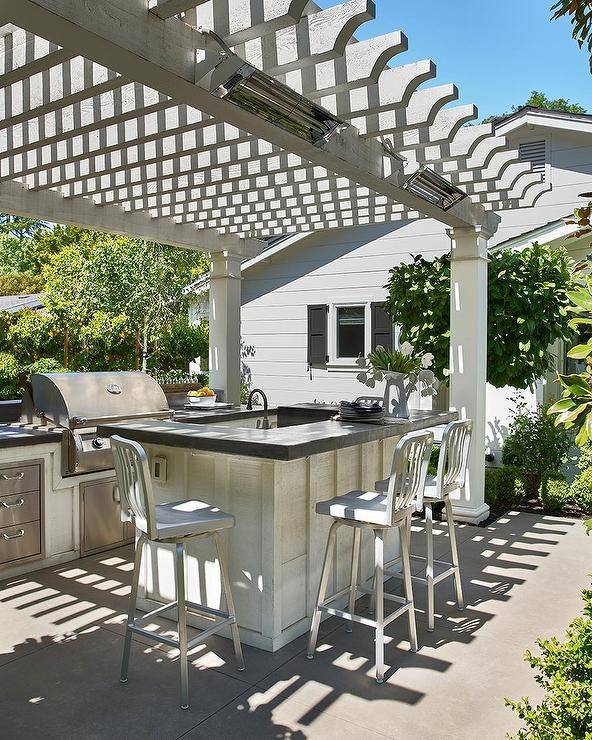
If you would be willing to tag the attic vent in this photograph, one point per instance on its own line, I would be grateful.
(534, 152)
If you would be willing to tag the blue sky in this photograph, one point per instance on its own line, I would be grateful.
(496, 51)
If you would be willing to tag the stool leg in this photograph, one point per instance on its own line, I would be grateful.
(429, 518)
(455, 561)
(379, 602)
(405, 551)
(182, 624)
(316, 617)
(238, 650)
(353, 584)
(132, 608)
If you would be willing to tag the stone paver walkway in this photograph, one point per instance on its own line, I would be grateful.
(60, 648)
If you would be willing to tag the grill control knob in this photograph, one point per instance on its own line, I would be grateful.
(98, 443)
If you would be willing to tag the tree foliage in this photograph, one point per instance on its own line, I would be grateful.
(580, 14)
(527, 310)
(539, 99)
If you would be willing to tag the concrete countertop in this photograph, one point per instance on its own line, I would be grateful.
(23, 435)
(286, 443)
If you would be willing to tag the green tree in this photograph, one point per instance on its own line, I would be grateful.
(141, 280)
(538, 99)
(580, 14)
(527, 310)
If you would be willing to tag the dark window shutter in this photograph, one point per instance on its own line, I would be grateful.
(317, 335)
(382, 327)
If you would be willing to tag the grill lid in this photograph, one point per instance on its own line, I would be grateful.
(83, 399)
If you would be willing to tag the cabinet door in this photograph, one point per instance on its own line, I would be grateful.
(101, 516)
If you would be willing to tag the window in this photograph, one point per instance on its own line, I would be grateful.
(351, 331)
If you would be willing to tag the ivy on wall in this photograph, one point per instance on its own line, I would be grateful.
(527, 310)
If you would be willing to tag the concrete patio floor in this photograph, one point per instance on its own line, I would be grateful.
(60, 648)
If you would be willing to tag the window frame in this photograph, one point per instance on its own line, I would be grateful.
(347, 362)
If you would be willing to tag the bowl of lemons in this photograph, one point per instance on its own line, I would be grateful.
(202, 397)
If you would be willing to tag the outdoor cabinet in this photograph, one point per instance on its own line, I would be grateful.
(101, 527)
(21, 513)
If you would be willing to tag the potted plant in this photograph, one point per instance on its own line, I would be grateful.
(403, 371)
(176, 384)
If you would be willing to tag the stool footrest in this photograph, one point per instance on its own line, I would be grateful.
(160, 610)
(406, 605)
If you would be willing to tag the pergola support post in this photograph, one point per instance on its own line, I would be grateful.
(225, 307)
(468, 358)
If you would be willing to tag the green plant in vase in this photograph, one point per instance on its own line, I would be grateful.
(403, 371)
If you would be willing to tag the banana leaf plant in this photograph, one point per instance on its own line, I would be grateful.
(574, 408)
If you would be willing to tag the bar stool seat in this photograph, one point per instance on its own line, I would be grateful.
(188, 518)
(175, 523)
(361, 506)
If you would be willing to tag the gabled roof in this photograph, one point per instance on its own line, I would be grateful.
(13, 303)
(529, 115)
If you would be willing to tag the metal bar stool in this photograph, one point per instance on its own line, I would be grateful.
(450, 477)
(176, 523)
(379, 513)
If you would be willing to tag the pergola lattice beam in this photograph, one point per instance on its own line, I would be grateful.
(51, 206)
(168, 8)
(162, 54)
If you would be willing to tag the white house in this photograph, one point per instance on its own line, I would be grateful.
(340, 274)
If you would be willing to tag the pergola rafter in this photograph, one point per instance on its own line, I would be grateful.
(105, 136)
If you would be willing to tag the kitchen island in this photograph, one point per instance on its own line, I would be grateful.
(270, 480)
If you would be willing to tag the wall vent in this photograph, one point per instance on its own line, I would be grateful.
(534, 152)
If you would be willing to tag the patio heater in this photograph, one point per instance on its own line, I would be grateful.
(433, 188)
(250, 89)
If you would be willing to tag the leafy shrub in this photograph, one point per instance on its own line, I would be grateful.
(434, 457)
(564, 670)
(510, 486)
(179, 344)
(44, 365)
(585, 459)
(527, 299)
(535, 445)
(553, 493)
(581, 490)
(491, 481)
(21, 283)
(9, 377)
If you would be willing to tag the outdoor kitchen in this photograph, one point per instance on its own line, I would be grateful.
(269, 466)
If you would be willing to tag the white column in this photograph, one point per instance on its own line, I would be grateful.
(225, 306)
(468, 358)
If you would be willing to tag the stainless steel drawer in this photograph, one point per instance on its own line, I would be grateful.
(20, 479)
(19, 508)
(21, 541)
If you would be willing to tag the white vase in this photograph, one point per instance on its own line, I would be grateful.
(395, 395)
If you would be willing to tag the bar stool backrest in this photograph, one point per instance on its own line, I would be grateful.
(454, 454)
(135, 484)
(408, 472)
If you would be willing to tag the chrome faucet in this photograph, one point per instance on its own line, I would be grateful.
(261, 423)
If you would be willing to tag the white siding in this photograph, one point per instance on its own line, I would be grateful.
(341, 264)
(354, 263)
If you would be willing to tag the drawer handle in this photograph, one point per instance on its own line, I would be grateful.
(18, 476)
(18, 502)
(20, 533)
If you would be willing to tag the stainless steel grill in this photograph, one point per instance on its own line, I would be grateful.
(78, 402)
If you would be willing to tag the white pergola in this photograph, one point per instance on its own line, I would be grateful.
(108, 122)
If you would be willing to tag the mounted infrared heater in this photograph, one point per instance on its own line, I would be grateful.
(433, 188)
(258, 93)
(237, 81)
